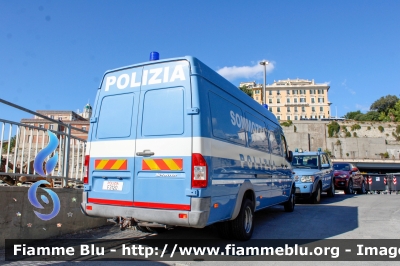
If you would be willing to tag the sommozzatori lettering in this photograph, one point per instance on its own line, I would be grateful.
(246, 124)
(149, 77)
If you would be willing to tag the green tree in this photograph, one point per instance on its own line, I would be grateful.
(11, 142)
(246, 90)
(352, 115)
(333, 128)
(383, 104)
(287, 123)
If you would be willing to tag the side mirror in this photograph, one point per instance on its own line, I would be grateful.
(325, 165)
(290, 156)
(354, 170)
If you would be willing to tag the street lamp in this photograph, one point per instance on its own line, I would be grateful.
(264, 63)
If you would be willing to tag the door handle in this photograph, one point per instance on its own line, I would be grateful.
(145, 153)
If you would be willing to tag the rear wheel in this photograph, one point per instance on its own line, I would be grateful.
(289, 205)
(349, 189)
(316, 198)
(243, 225)
(331, 190)
(362, 190)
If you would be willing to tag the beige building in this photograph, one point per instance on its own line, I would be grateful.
(294, 99)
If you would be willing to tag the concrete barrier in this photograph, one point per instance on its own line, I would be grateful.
(18, 220)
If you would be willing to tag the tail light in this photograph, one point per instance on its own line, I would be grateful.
(199, 171)
(86, 170)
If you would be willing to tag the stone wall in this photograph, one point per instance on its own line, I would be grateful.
(369, 142)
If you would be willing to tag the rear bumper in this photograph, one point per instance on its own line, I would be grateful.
(197, 216)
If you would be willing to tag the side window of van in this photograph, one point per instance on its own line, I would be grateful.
(163, 112)
(227, 120)
(257, 134)
(275, 142)
(115, 110)
(284, 146)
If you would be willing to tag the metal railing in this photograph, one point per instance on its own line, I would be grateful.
(20, 143)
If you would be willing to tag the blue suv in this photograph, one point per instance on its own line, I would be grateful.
(313, 174)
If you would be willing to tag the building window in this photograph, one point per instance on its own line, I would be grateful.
(288, 109)
(270, 109)
(312, 100)
(288, 92)
(295, 117)
(51, 127)
(288, 117)
(278, 117)
(41, 125)
(288, 100)
(278, 93)
(270, 92)
(278, 109)
(52, 116)
(295, 100)
(319, 92)
(302, 91)
(313, 109)
(270, 100)
(84, 128)
(295, 108)
(321, 109)
(303, 109)
(257, 91)
(302, 100)
(320, 100)
(312, 91)
(278, 100)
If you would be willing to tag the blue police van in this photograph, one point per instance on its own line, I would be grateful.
(172, 143)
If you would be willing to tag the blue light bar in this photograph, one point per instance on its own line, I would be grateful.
(265, 105)
(154, 56)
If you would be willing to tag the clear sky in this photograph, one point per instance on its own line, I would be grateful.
(53, 54)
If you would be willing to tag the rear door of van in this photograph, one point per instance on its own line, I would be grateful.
(164, 138)
(140, 146)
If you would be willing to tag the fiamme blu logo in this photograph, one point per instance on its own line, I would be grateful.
(38, 166)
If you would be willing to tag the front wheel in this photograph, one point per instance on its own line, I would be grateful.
(243, 225)
(289, 205)
(349, 189)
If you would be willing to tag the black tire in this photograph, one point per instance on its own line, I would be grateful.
(243, 225)
(316, 197)
(349, 190)
(289, 205)
(224, 230)
(331, 190)
(362, 190)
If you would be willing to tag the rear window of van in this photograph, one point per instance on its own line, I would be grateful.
(115, 116)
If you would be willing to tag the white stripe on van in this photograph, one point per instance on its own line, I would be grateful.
(127, 148)
(175, 147)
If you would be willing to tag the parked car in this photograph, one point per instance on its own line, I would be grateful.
(313, 174)
(349, 178)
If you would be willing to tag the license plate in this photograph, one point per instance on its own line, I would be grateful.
(112, 185)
